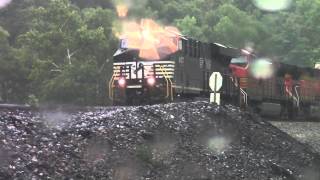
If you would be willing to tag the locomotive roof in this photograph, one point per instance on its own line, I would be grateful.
(215, 48)
(296, 71)
(130, 55)
(125, 53)
(220, 53)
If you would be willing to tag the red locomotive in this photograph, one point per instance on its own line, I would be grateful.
(296, 89)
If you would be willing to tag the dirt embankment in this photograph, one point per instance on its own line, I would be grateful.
(173, 141)
(305, 132)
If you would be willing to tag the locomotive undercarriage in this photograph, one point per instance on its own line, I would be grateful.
(139, 96)
(289, 109)
(142, 93)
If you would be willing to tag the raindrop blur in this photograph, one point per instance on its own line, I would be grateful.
(272, 5)
(56, 119)
(249, 47)
(218, 144)
(122, 10)
(4, 3)
(153, 40)
(262, 68)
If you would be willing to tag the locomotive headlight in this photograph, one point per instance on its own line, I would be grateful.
(122, 82)
(151, 81)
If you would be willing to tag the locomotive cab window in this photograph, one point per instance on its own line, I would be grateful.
(240, 61)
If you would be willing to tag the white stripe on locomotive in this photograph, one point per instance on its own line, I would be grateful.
(167, 69)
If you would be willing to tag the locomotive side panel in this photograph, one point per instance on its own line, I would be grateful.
(193, 67)
(268, 90)
(197, 61)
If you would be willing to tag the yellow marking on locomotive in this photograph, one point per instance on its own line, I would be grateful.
(243, 83)
(111, 86)
(168, 80)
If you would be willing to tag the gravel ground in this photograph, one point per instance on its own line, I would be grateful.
(189, 141)
(306, 132)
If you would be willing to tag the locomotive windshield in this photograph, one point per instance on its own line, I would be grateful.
(239, 61)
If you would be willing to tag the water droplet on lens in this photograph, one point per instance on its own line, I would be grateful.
(272, 5)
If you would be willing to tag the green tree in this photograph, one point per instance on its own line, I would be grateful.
(237, 28)
(189, 26)
(65, 42)
(13, 81)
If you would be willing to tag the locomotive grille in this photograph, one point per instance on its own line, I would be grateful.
(144, 69)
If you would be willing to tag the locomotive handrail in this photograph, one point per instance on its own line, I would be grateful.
(111, 85)
(298, 97)
(236, 83)
(245, 95)
(168, 80)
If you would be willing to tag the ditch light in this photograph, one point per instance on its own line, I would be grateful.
(122, 82)
(151, 81)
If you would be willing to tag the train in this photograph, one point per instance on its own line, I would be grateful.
(295, 89)
(185, 74)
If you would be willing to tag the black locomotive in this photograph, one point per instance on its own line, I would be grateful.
(183, 74)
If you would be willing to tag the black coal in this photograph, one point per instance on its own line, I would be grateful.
(172, 141)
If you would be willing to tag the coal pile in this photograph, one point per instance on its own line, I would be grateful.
(195, 141)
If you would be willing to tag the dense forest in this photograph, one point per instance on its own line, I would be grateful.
(60, 51)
